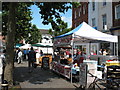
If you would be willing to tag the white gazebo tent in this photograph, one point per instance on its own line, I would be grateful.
(86, 31)
(26, 46)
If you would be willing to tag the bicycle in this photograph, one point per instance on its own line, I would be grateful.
(111, 84)
(94, 84)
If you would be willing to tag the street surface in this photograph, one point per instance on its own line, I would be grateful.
(39, 78)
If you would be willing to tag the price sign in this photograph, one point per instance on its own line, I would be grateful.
(45, 62)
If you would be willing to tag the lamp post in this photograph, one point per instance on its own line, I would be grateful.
(116, 31)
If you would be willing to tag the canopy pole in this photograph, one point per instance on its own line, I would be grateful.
(114, 48)
(72, 44)
(117, 49)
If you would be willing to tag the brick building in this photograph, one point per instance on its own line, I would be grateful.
(80, 14)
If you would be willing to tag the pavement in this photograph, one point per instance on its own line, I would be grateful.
(39, 78)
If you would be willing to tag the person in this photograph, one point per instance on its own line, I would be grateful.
(28, 50)
(79, 59)
(3, 63)
(41, 52)
(31, 59)
(25, 53)
(67, 53)
(101, 52)
(16, 55)
(19, 56)
(37, 57)
(105, 52)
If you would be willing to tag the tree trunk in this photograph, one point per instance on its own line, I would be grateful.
(8, 73)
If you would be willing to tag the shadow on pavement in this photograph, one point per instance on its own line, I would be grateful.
(37, 76)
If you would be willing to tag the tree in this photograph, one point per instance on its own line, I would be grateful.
(23, 24)
(50, 13)
(34, 35)
(16, 26)
(8, 73)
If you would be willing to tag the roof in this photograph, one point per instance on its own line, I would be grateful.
(44, 31)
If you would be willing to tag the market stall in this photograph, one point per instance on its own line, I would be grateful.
(83, 33)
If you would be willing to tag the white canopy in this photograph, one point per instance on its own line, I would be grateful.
(26, 46)
(89, 32)
(86, 31)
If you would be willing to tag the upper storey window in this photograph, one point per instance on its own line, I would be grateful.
(117, 12)
(93, 6)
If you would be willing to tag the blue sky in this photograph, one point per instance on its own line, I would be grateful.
(67, 17)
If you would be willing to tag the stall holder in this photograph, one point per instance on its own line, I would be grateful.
(83, 33)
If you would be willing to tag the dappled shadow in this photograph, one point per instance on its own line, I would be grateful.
(37, 76)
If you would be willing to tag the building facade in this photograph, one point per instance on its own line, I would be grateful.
(80, 14)
(46, 37)
(115, 30)
(100, 15)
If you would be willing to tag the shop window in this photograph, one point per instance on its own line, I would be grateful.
(117, 12)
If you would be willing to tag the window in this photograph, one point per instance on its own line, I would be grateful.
(104, 3)
(104, 19)
(93, 22)
(75, 14)
(79, 11)
(93, 6)
(117, 12)
(84, 8)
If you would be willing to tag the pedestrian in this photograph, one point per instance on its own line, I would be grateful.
(37, 57)
(31, 59)
(25, 53)
(105, 52)
(19, 56)
(41, 53)
(101, 52)
(16, 55)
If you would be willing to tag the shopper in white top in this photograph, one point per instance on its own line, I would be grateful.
(37, 56)
(19, 56)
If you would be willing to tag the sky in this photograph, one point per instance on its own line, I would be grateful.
(67, 17)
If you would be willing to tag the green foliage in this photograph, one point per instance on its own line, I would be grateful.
(50, 13)
(23, 24)
(34, 35)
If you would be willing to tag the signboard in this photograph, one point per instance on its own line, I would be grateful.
(83, 74)
(92, 66)
(45, 62)
(63, 41)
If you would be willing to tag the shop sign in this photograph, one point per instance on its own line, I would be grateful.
(63, 40)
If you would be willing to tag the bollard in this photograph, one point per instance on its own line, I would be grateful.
(4, 85)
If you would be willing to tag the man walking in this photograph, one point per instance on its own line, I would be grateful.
(31, 59)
